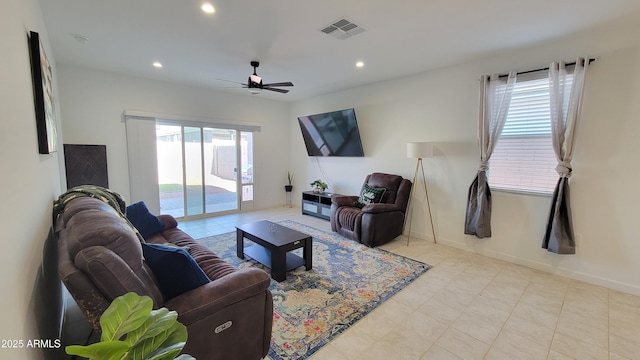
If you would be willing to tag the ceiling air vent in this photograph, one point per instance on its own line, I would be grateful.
(342, 29)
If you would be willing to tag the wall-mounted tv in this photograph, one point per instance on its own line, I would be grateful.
(332, 134)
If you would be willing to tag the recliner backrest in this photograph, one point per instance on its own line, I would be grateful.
(102, 245)
(387, 181)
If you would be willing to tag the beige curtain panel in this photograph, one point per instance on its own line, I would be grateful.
(495, 97)
(566, 86)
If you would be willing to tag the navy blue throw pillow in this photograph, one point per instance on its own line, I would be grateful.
(146, 223)
(175, 270)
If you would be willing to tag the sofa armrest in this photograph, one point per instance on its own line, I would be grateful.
(344, 200)
(218, 294)
(168, 221)
(380, 208)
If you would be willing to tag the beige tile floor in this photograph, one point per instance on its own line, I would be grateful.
(470, 306)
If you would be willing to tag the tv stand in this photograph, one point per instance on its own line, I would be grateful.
(317, 204)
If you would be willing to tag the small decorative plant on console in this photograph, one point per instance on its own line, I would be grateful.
(319, 186)
(289, 187)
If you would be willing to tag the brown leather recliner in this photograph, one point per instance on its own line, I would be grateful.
(100, 258)
(373, 224)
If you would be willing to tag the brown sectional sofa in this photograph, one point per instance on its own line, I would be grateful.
(100, 258)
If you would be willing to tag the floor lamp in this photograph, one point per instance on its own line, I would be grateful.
(420, 150)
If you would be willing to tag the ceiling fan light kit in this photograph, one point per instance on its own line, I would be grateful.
(255, 79)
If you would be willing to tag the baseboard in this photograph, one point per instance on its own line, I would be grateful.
(271, 206)
(556, 270)
(419, 235)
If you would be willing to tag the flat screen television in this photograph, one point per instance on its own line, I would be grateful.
(332, 134)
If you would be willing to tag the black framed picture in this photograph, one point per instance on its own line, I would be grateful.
(85, 165)
(43, 96)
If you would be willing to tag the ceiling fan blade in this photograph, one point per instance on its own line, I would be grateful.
(231, 81)
(288, 83)
(275, 89)
(255, 85)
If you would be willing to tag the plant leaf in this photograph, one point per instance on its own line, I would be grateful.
(156, 343)
(158, 321)
(172, 345)
(125, 314)
(178, 335)
(166, 353)
(109, 350)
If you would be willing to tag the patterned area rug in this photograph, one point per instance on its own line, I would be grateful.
(348, 280)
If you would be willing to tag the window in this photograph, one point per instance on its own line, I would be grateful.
(523, 159)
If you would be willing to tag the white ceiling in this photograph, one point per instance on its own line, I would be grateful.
(402, 37)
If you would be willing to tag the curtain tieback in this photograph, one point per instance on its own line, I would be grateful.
(484, 165)
(564, 169)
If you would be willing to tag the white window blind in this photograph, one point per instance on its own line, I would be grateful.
(523, 159)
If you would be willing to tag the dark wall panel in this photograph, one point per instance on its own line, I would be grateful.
(86, 165)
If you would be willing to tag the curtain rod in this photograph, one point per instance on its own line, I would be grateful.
(541, 69)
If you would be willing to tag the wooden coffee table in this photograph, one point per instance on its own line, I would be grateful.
(273, 245)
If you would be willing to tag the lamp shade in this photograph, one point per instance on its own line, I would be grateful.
(419, 149)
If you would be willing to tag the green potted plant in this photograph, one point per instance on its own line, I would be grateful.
(319, 186)
(289, 187)
(132, 330)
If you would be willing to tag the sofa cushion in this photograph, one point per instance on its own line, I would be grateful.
(113, 277)
(369, 195)
(146, 223)
(175, 270)
(102, 226)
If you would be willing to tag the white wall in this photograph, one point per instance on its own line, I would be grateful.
(441, 106)
(93, 103)
(438, 106)
(29, 182)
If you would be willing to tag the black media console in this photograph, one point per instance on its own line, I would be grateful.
(317, 204)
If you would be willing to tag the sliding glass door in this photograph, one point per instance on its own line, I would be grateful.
(221, 169)
(198, 169)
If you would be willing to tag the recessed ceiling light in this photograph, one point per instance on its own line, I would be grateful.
(157, 64)
(208, 8)
(359, 64)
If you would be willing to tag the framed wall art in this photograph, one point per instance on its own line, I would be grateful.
(85, 165)
(43, 96)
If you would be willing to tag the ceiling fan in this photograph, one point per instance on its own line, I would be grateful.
(255, 85)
